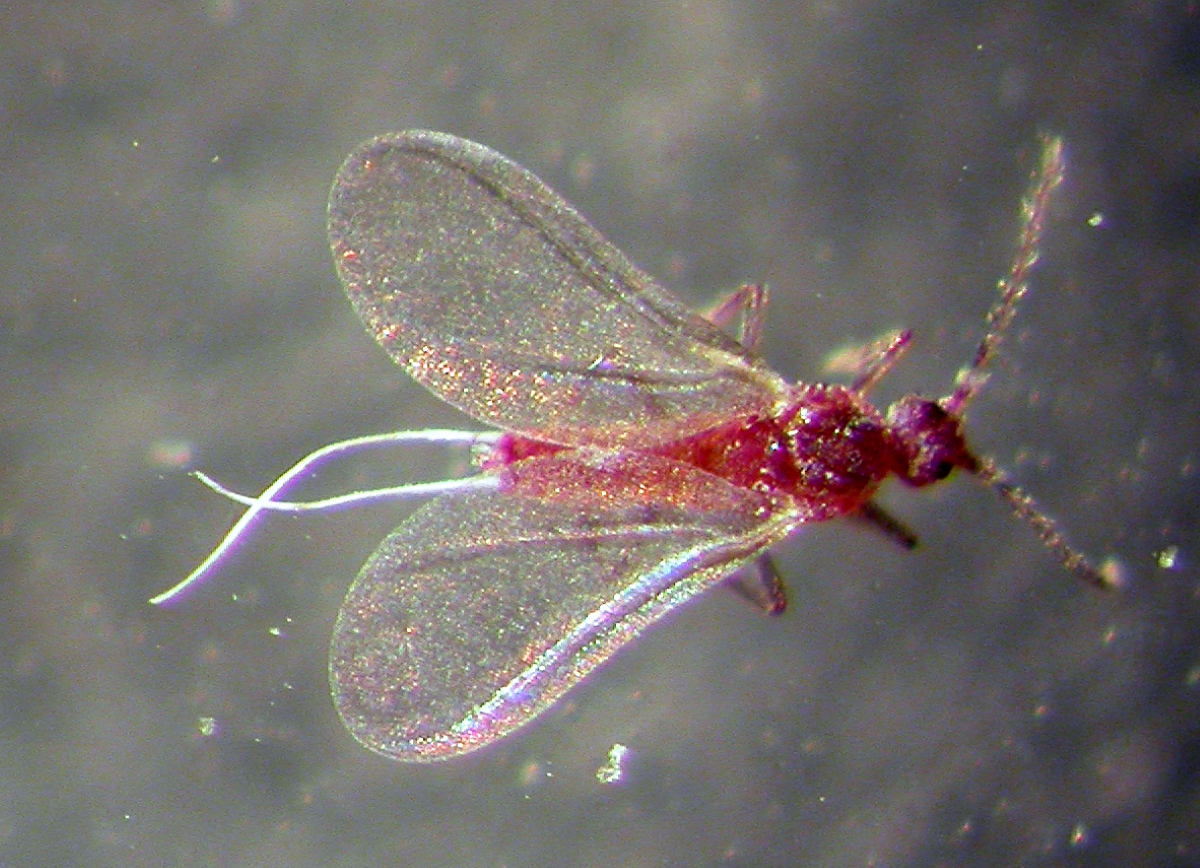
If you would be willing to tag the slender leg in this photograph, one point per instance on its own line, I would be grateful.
(749, 300)
(762, 585)
(880, 356)
(880, 519)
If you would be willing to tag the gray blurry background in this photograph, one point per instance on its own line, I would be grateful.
(168, 302)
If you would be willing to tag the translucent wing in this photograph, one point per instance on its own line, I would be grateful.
(483, 609)
(499, 297)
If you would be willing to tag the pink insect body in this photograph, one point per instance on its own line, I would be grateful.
(648, 454)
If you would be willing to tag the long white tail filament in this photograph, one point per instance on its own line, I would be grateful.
(267, 501)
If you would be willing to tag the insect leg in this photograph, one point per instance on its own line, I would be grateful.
(880, 519)
(750, 300)
(880, 357)
(762, 585)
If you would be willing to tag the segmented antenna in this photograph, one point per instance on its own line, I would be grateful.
(1033, 213)
(1045, 527)
(1034, 208)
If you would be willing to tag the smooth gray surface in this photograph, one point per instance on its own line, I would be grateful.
(167, 283)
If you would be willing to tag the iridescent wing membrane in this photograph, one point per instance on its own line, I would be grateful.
(479, 612)
(484, 607)
(499, 297)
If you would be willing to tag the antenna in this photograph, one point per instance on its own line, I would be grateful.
(1034, 208)
(1033, 213)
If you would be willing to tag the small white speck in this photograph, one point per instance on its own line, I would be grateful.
(613, 771)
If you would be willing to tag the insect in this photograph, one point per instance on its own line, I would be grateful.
(644, 455)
